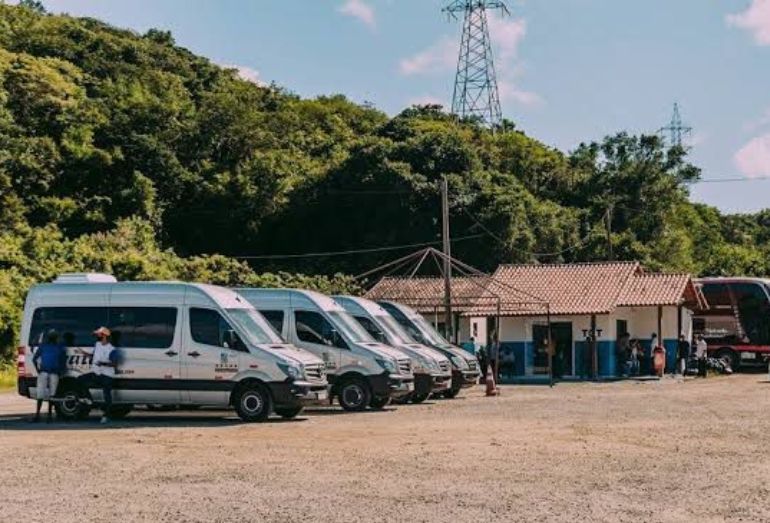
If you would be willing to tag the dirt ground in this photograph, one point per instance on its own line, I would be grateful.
(656, 451)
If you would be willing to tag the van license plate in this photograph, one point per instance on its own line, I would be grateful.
(322, 395)
(748, 356)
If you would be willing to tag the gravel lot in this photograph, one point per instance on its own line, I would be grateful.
(653, 451)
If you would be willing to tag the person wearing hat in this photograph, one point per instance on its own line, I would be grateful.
(103, 367)
(50, 361)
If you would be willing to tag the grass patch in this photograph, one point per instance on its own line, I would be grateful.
(7, 376)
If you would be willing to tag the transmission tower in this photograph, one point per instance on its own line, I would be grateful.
(475, 91)
(676, 130)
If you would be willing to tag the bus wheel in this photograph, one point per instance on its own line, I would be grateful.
(354, 395)
(253, 403)
(288, 412)
(71, 405)
(730, 357)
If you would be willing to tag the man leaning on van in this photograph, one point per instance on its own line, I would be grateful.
(103, 367)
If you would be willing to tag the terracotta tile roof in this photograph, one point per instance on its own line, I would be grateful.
(524, 290)
(470, 294)
(645, 290)
(571, 289)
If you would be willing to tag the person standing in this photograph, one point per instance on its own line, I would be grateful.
(622, 352)
(701, 352)
(481, 355)
(103, 367)
(683, 355)
(50, 361)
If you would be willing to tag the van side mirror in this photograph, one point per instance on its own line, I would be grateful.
(233, 341)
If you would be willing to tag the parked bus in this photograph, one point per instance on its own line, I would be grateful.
(737, 324)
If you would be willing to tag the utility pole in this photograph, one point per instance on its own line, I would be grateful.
(448, 320)
(608, 223)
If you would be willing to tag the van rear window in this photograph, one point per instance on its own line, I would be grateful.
(132, 327)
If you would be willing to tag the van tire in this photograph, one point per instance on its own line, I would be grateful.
(451, 393)
(379, 403)
(288, 412)
(119, 411)
(354, 395)
(253, 403)
(419, 398)
(71, 407)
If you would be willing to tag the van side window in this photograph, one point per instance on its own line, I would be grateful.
(75, 325)
(274, 318)
(210, 328)
(143, 327)
(312, 327)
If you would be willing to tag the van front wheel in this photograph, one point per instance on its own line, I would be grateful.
(288, 412)
(253, 403)
(354, 395)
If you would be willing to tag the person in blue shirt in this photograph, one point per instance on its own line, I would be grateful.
(50, 361)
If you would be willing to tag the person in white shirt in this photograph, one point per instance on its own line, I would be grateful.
(103, 367)
(701, 351)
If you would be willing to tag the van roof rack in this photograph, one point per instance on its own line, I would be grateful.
(85, 277)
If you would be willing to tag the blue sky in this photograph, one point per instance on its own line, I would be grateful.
(570, 70)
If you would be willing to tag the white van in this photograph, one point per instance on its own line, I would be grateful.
(465, 368)
(362, 372)
(178, 344)
(432, 370)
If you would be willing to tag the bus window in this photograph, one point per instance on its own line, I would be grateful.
(717, 295)
(753, 311)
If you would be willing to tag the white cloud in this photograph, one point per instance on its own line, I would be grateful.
(440, 57)
(246, 73)
(753, 159)
(506, 35)
(509, 91)
(756, 19)
(360, 10)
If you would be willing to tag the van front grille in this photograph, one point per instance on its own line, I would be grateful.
(444, 366)
(405, 366)
(315, 372)
(473, 365)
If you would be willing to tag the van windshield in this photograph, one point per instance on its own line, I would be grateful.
(349, 327)
(394, 329)
(430, 333)
(254, 326)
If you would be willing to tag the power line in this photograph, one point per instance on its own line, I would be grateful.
(581, 243)
(351, 252)
(730, 180)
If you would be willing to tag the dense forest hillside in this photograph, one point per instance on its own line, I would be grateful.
(126, 153)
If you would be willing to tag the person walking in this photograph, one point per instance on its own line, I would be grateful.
(50, 361)
(481, 355)
(701, 352)
(683, 355)
(103, 367)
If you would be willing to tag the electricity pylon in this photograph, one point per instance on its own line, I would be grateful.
(675, 129)
(475, 92)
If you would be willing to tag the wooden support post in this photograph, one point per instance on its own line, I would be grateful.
(594, 349)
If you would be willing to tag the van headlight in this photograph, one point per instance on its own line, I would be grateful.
(432, 365)
(459, 362)
(292, 371)
(388, 365)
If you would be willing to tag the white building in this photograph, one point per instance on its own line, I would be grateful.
(607, 299)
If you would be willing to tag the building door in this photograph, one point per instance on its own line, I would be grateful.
(561, 336)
